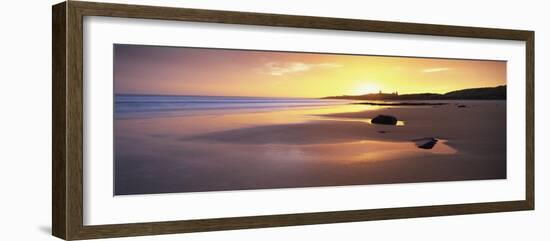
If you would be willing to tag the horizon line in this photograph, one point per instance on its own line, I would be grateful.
(244, 96)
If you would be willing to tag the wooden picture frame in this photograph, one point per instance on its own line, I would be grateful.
(67, 152)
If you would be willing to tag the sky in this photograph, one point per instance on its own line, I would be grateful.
(140, 69)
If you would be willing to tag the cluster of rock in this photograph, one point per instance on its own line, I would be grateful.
(423, 143)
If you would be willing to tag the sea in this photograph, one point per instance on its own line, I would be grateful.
(141, 106)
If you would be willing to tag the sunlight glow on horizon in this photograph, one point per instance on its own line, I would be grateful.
(221, 72)
(366, 88)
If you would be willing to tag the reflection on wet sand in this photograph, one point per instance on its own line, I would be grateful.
(351, 152)
(307, 147)
(366, 120)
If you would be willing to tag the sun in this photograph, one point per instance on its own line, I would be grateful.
(363, 89)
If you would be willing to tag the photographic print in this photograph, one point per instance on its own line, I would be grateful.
(190, 119)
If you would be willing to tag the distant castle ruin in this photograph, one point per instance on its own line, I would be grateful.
(392, 93)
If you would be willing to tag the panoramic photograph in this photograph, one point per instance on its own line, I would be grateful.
(190, 119)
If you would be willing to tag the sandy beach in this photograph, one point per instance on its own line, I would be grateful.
(310, 147)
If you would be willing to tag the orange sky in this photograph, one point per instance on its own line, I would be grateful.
(198, 71)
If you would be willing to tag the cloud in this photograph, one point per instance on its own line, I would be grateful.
(278, 68)
(433, 70)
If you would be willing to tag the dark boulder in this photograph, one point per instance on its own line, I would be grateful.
(426, 143)
(461, 106)
(384, 120)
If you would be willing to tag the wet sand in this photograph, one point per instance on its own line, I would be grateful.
(319, 148)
